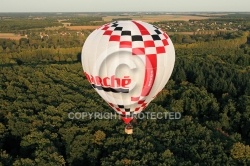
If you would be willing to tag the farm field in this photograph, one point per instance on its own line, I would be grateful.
(11, 36)
(156, 18)
(82, 27)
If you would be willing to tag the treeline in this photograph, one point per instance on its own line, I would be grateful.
(94, 20)
(42, 55)
(24, 24)
(206, 36)
(47, 39)
(51, 47)
(54, 47)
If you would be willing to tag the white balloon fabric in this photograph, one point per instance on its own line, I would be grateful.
(128, 63)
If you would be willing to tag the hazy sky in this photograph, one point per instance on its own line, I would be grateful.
(123, 5)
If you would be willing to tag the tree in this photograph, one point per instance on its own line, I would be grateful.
(241, 152)
(99, 136)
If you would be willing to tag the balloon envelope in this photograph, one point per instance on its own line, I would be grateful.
(128, 63)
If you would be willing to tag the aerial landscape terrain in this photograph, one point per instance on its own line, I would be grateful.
(42, 81)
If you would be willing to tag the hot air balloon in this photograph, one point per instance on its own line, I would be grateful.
(128, 63)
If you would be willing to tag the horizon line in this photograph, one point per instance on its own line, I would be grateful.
(127, 12)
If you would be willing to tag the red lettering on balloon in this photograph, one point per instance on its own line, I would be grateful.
(105, 81)
(112, 82)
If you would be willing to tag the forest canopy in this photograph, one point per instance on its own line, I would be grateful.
(42, 81)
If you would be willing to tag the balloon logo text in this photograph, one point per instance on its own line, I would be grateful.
(110, 84)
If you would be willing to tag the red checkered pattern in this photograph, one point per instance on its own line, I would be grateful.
(142, 105)
(126, 39)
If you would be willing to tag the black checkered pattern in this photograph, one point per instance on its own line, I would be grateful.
(144, 44)
(121, 109)
(127, 111)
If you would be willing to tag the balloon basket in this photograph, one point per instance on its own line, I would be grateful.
(129, 129)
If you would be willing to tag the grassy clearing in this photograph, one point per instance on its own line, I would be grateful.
(11, 36)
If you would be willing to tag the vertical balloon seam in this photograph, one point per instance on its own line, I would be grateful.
(120, 94)
(149, 67)
(142, 28)
(162, 79)
(113, 93)
(132, 105)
